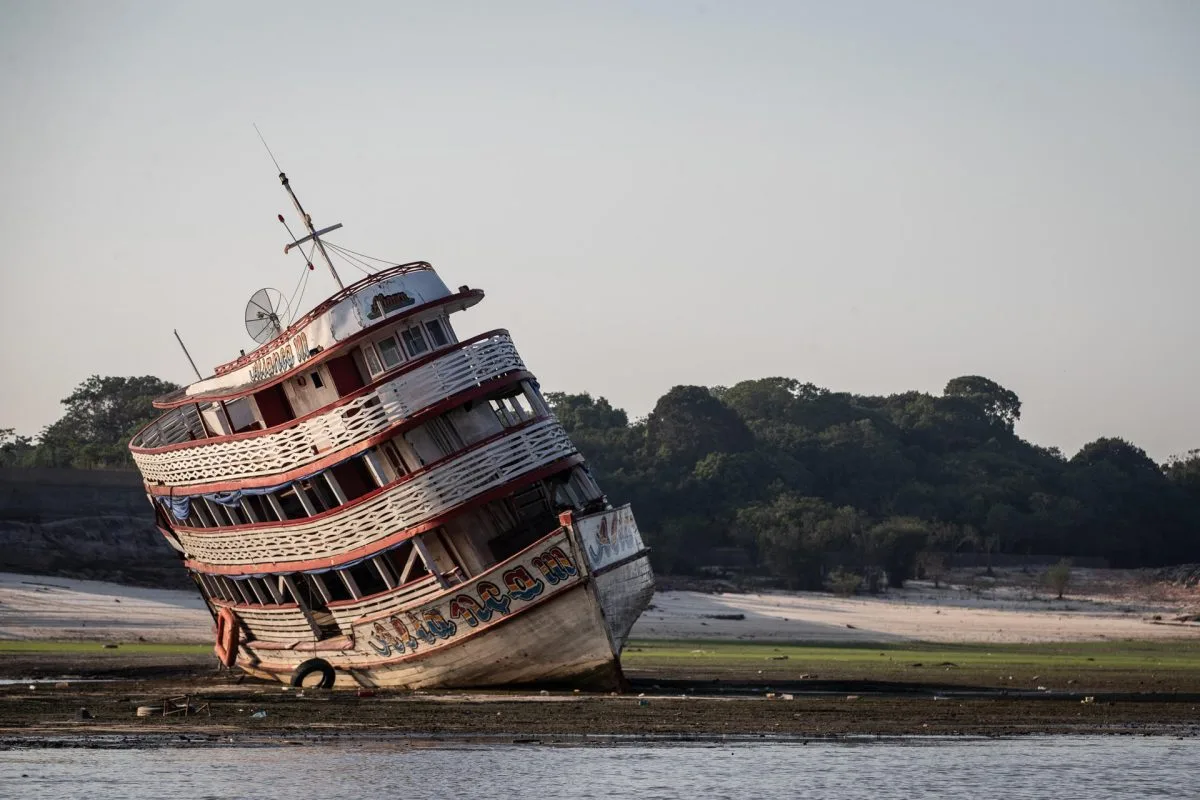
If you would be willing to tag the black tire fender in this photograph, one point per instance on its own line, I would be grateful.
(311, 666)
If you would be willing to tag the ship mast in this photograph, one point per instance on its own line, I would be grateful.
(313, 233)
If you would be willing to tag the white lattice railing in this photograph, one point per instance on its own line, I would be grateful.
(282, 624)
(177, 425)
(418, 498)
(392, 402)
(399, 598)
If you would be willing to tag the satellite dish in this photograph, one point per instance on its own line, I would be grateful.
(265, 315)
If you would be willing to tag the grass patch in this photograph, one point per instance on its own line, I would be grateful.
(1135, 665)
(98, 648)
(1183, 654)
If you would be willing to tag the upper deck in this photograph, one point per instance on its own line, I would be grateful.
(403, 290)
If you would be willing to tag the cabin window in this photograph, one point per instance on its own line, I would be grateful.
(444, 435)
(394, 458)
(406, 564)
(319, 494)
(390, 352)
(335, 586)
(367, 579)
(414, 341)
(312, 590)
(261, 509)
(372, 359)
(436, 334)
(235, 514)
(353, 478)
(317, 382)
(290, 503)
(243, 593)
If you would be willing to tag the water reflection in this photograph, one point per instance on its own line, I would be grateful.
(1065, 768)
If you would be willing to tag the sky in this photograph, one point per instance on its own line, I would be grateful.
(873, 197)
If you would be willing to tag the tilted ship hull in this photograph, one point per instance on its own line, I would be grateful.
(369, 498)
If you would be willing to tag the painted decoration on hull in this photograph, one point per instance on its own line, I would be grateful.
(609, 536)
(540, 572)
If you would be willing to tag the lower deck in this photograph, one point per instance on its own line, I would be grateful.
(558, 610)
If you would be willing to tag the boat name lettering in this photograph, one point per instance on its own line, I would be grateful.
(281, 359)
(476, 606)
(384, 304)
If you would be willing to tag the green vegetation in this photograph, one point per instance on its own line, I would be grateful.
(787, 479)
(102, 416)
(1058, 577)
(1138, 665)
(98, 648)
(791, 481)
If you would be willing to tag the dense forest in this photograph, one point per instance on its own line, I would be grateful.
(806, 485)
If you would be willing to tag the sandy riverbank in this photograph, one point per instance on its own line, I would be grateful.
(45, 608)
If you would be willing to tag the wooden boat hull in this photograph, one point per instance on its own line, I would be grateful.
(561, 641)
(559, 612)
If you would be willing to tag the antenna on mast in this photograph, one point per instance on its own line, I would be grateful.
(313, 233)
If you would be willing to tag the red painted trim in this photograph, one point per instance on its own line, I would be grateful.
(346, 507)
(420, 654)
(310, 468)
(385, 378)
(379, 545)
(470, 296)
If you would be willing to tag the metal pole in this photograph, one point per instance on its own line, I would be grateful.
(199, 377)
(189, 356)
(283, 178)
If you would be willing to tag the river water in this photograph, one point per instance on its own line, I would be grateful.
(1060, 767)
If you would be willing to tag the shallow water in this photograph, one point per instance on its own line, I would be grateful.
(1064, 768)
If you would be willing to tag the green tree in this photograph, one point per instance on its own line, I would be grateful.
(1058, 577)
(999, 404)
(895, 544)
(15, 449)
(582, 412)
(688, 423)
(102, 415)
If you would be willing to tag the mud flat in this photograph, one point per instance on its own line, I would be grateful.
(1001, 660)
(678, 689)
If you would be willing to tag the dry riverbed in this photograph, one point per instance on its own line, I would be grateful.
(677, 690)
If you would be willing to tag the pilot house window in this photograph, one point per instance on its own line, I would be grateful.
(414, 342)
(390, 352)
(436, 334)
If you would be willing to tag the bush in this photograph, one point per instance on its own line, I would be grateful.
(843, 583)
(1058, 577)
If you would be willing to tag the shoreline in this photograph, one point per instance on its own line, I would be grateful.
(678, 692)
(703, 666)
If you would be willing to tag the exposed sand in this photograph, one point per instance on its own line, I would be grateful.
(36, 607)
(40, 607)
(914, 615)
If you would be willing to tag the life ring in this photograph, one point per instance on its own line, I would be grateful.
(227, 636)
(311, 666)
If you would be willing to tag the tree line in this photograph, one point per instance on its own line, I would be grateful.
(813, 486)
(810, 486)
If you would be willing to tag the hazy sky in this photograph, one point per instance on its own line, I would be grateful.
(873, 197)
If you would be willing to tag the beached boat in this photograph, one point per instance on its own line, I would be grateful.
(368, 497)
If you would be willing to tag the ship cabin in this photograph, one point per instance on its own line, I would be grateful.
(364, 460)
